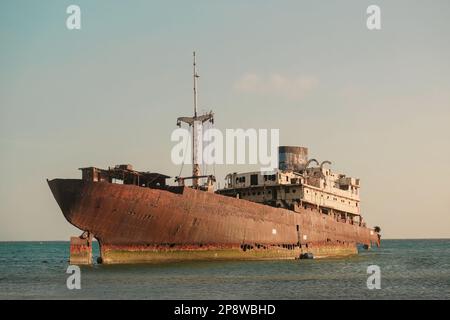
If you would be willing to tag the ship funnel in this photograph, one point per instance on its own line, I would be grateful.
(292, 158)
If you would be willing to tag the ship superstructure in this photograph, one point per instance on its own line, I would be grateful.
(297, 184)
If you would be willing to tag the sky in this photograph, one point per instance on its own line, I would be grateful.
(374, 102)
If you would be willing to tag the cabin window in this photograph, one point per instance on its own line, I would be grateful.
(254, 179)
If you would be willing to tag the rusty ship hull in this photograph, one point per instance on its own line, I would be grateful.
(134, 224)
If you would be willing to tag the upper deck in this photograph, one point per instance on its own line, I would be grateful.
(318, 187)
(124, 174)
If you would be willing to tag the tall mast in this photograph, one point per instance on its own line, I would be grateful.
(196, 131)
(197, 126)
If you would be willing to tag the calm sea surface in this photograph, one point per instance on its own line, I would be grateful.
(414, 269)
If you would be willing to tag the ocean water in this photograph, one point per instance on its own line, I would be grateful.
(410, 269)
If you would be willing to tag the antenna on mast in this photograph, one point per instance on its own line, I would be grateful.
(195, 76)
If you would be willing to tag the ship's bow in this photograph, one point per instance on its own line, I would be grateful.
(67, 193)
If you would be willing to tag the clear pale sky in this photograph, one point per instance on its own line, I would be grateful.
(375, 103)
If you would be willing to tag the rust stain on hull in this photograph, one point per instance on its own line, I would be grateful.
(80, 251)
(135, 224)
